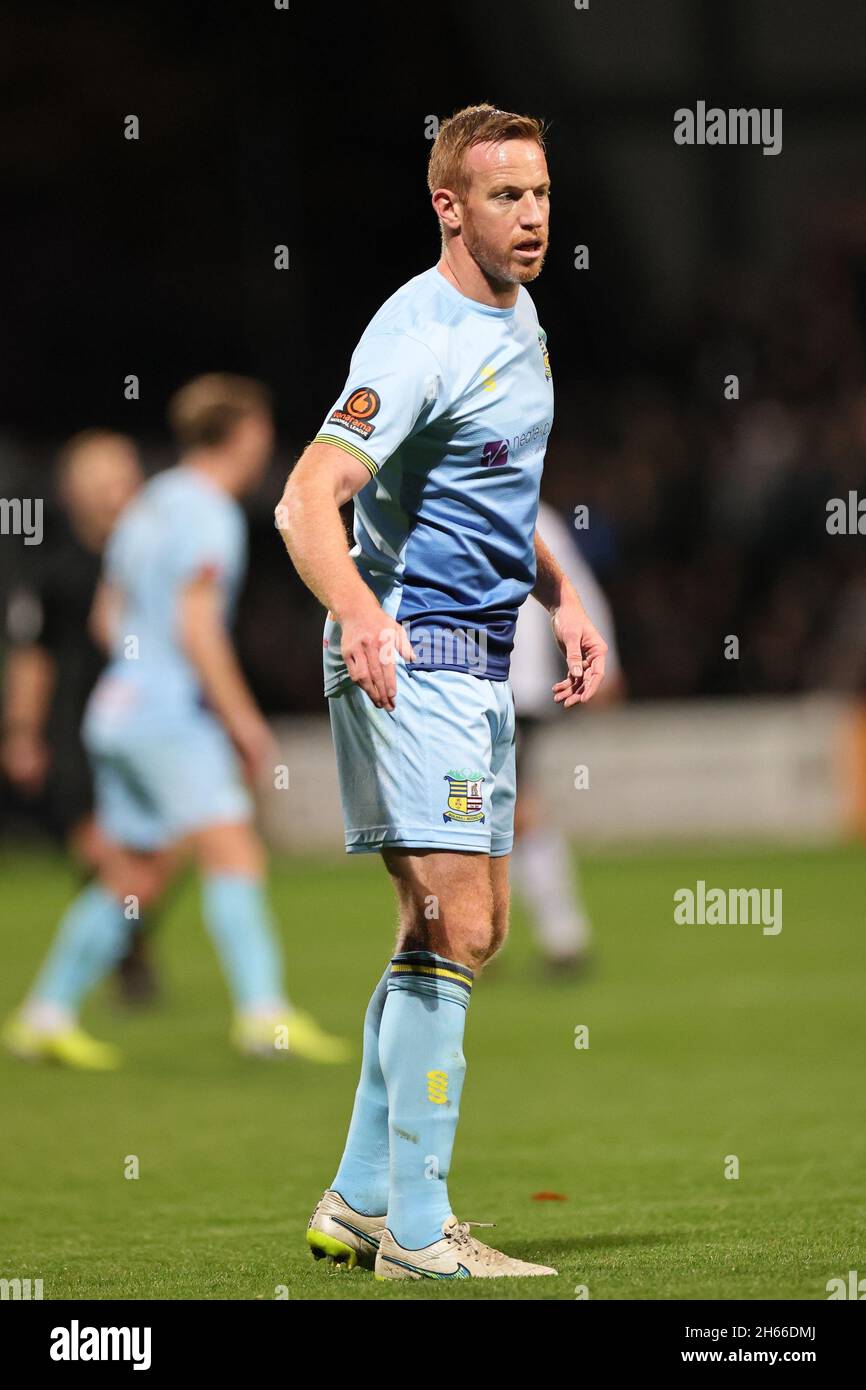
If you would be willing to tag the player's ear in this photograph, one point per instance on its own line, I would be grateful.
(446, 206)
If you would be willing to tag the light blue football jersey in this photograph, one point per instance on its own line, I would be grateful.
(180, 526)
(449, 404)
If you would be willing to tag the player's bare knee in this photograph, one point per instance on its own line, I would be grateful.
(134, 882)
(229, 849)
(468, 943)
(471, 949)
(486, 950)
(498, 937)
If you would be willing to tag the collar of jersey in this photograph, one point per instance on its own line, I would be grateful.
(474, 304)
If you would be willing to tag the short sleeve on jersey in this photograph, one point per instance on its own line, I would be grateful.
(393, 383)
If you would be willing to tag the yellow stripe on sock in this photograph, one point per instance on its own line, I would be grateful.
(431, 970)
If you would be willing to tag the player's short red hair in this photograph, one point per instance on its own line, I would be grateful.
(474, 125)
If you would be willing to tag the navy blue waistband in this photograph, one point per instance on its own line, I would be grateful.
(483, 651)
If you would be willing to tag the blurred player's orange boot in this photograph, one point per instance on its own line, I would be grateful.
(70, 1046)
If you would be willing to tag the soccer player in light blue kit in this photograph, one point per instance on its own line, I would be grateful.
(175, 737)
(439, 436)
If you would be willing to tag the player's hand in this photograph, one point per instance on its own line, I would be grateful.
(254, 742)
(26, 758)
(584, 650)
(370, 642)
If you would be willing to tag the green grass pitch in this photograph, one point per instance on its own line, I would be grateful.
(705, 1042)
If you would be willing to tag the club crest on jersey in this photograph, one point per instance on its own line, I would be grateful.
(464, 796)
(358, 410)
(542, 343)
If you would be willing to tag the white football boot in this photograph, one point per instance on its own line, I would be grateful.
(339, 1233)
(458, 1255)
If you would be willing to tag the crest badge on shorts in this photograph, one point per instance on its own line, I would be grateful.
(465, 802)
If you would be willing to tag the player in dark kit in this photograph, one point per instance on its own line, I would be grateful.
(54, 662)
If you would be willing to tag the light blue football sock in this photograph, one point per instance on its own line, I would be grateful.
(362, 1177)
(239, 921)
(91, 938)
(421, 1052)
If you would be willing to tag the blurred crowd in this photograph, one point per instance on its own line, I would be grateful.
(708, 498)
(697, 490)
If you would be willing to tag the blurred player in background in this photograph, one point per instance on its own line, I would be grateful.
(175, 738)
(53, 661)
(540, 865)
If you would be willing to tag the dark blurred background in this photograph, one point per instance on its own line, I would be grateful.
(307, 127)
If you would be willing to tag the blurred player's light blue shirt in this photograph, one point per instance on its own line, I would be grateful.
(180, 527)
(449, 404)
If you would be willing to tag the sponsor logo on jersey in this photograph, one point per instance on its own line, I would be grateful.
(494, 453)
(357, 412)
(464, 797)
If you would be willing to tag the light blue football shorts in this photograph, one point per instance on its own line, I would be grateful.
(436, 772)
(156, 785)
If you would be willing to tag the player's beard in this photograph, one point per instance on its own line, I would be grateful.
(498, 264)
